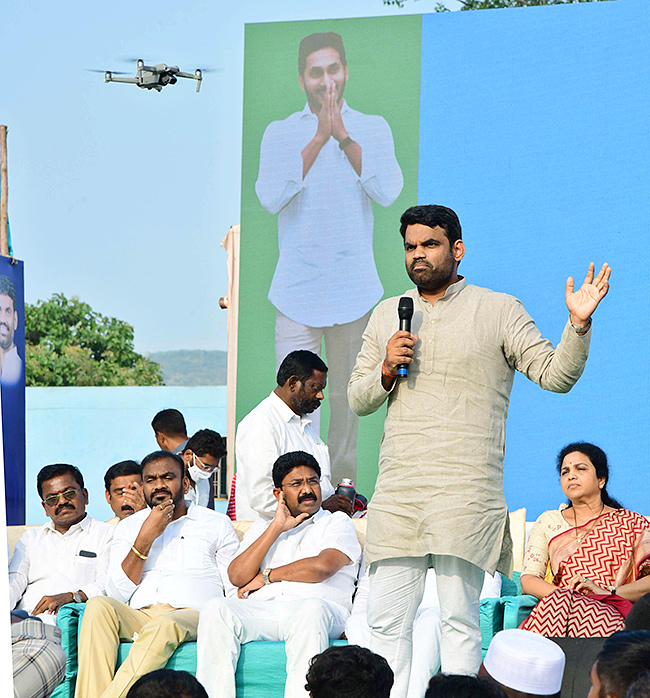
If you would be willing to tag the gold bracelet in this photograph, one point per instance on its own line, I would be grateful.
(139, 554)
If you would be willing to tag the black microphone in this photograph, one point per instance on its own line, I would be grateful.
(405, 313)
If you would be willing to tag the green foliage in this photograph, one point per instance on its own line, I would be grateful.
(67, 343)
(492, 4)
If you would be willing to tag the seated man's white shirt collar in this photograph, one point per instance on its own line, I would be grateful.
(320, 532)
(186, 566)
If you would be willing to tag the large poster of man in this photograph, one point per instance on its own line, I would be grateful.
(332, 160)
(12, 385)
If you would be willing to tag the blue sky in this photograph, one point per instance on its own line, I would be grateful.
(120, 195)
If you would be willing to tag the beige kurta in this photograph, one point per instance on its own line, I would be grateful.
(440, 484)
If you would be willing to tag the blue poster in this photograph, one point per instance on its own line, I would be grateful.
(12, 385)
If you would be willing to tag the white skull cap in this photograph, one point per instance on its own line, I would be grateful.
(526, 662)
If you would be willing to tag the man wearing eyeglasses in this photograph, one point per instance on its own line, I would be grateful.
(295, 576)
(66, 559)
(202, 456)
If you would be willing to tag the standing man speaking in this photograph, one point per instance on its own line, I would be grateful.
(321, 169)
(439, 496)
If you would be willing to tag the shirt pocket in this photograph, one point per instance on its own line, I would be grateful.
(85, 569)
(193, 554)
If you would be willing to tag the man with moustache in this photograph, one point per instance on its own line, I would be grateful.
(11, 365)
(279, 424)
(64, 560)
(295, 577)
(320, 171)
(439, 496)
(166, 562)
(123, 484)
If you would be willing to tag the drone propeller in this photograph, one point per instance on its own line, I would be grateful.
(212, 70)
(112, 72)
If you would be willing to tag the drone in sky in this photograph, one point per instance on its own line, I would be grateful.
(155, 77)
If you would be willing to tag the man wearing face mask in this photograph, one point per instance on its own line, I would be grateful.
(202, 456)
(166, 562)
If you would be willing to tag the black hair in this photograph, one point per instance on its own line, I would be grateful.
(54, 470)
(207, 441)
(599, 460)
(433, 215)
(7, 288)
(167, 683)
(623, 656)
(640, 687)
(162, 455)
(349, 672)
(456, 686)
(124, 467)
(170, 423)
(317, 41)
(300, 363)
(288, 461)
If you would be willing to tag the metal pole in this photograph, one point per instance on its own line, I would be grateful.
(4, 193)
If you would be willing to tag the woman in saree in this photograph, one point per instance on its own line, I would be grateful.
(588, 561)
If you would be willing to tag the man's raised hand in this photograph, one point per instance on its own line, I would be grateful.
(338, 128)
(284, 518)
(585, 300)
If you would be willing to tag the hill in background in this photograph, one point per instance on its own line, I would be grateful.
(195, 367)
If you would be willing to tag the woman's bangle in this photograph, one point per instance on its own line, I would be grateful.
(385, 372)
(139, 554)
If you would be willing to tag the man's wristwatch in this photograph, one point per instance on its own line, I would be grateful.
(265, 575)
(345, 143)
(76, 597)
(581, 330)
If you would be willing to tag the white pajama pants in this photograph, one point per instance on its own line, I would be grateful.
(396, 589)
(342, 344)
(305, 625)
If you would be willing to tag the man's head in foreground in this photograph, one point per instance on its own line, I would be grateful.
(120, 479)
(460, 686)
(166, 683)
(524, 664)
(163, 478)
(623, 657)
(203, 453)
(297, 475)
(301, 378)
(63, 495)
(322, 67)
(349, 672)
(169, 429)
(433, 246)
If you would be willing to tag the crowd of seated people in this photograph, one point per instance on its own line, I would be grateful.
(166, 570)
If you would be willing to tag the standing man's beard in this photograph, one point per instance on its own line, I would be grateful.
(432, 278)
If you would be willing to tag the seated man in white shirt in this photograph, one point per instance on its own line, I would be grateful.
(202, 456)
(295, 576)
(64, 560)
(166, 562)
(280, 424)
(123, 484)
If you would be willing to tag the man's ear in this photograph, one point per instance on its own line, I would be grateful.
(15, 320)
(458, 250)
(108, 496)
(276, 492)
(293, 383)
(301, 82)
(161, 440)
(186, 484)
(85, 494)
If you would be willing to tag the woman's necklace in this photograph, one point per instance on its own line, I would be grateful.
(575, 522)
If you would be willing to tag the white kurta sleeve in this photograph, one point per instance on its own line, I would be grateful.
(118, 585)
(366, 394)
